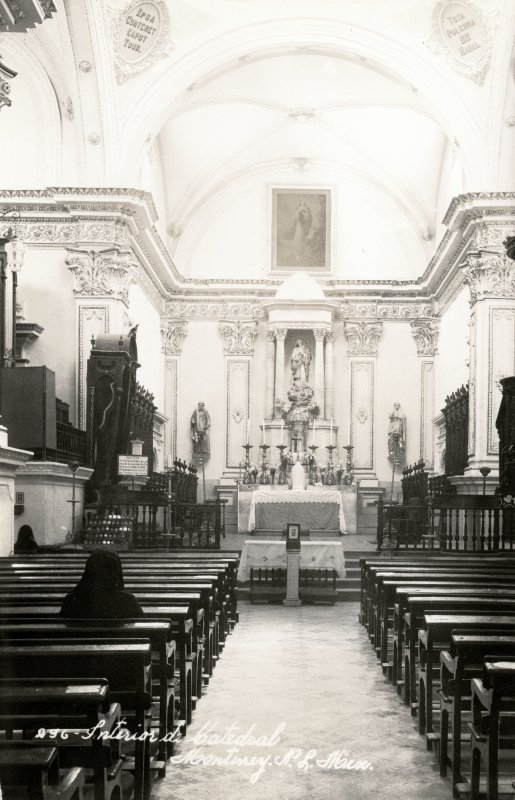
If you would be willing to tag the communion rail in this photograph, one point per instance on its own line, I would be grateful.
(459, 523)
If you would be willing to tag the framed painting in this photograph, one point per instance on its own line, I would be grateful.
(301, 228)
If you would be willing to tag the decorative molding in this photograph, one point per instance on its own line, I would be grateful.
(489, 275)
(237, 408)
(214, 310)
(426, 337)
(6, 75)
(173, 333)
(330, 337)
(352, 310)
(427, 404)
(270, 335)
(462, 33)
(140, 35)
(87, 314)
(363, 337)
(102, 273)
(319, 334)
(280, 334)
(239, 337)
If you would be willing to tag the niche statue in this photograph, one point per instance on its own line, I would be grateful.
(200, 424)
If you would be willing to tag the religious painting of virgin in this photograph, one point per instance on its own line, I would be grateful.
(301, 229)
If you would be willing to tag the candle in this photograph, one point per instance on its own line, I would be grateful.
(282, 431)
(348, 434)
(264, 442)
(331, 432)
(313, 433)
(248, 431)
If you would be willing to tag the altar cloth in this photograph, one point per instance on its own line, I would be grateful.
(270, 554)
(323, 510)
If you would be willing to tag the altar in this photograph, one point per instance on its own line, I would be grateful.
(315, 509)
(272, 555)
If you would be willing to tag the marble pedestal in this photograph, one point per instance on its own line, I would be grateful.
(292, 580)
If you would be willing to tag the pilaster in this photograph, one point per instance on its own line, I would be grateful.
(425, 334)
(239, 340)
(173, 334)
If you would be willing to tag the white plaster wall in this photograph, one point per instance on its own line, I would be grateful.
(451, 363)
(397, 379)
(151, 372)
(46, 292)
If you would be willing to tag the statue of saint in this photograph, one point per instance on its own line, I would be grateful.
(199, 425)
(396, 432)
(300, 361)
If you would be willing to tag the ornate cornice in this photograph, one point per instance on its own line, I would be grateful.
(101, 273)
(489, 274)
(363, 337)
(385, 310)
(173, 334)
(239, 337)
(426, 337)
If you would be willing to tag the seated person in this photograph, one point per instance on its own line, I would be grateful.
(100, 593)
(25, 542)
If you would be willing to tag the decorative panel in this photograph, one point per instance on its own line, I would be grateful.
(237, 404)
(93, 320)
(501, 363)
(171, 407)
(427, 402)
(362, 413)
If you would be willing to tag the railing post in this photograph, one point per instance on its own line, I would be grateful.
(218, 506)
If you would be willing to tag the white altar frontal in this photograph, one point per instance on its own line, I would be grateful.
(269, 554)
(323, 510)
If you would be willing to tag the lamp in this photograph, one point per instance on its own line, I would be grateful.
(485, 471)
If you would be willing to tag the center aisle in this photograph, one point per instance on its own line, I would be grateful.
(306, 681)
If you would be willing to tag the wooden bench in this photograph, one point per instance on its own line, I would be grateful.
(458, 666)
(80, 705)
(37, 770)
(493, 718)
(436, 636)
(125, 664)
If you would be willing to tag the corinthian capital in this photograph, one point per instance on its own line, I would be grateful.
(238, 337)
(173, 334)
(426, 337)
(489, 274)
(363, 337)
(100, 273)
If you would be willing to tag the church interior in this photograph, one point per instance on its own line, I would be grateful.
(257, 346)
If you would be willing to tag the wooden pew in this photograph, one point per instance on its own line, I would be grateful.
(458, 666)
(409, 609)
(125, 664)
(436, 636)
(37, 770)
(493, 707)
(79, 705)
(158, 633)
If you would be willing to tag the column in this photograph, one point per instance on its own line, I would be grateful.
(319, 334)
(491, 280)
(101, 289)
(238, 338)
(173, 334)
(270, 363)
(280, 336)
(329, 375)
(425, 334)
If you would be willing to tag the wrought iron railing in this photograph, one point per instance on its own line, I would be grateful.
(71, 446)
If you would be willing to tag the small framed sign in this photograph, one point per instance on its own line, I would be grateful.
(293, 536)
(132, 466)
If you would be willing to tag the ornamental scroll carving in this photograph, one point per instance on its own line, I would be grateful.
(102, 272)
(426, 337)
(173, 334)
(239, 337)
(363, 337)
(489, 275)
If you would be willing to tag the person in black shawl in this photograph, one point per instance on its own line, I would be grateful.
(25, 542)
(100, 593)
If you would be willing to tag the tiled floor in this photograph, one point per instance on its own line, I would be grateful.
(307, 681)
